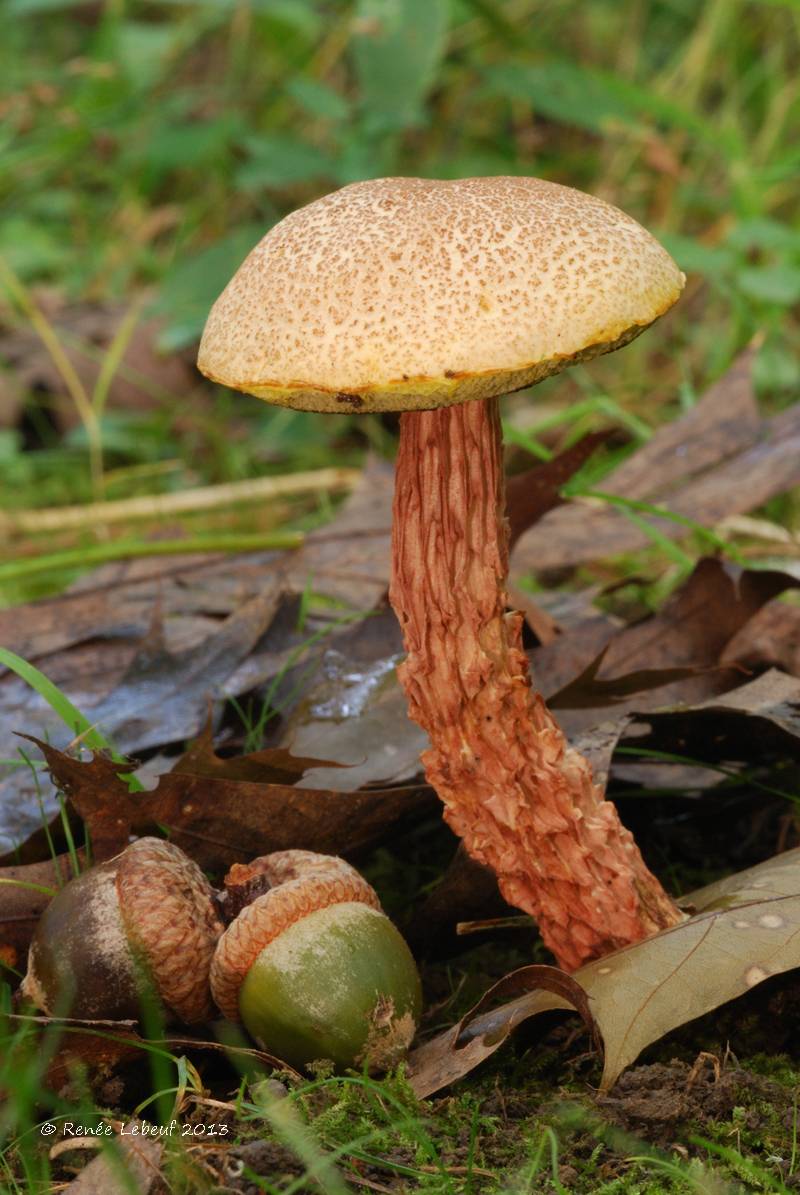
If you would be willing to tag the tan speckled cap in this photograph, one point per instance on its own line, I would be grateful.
(406, 293)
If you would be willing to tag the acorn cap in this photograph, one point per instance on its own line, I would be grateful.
(168, 910)
(406, 294)
(305, 882)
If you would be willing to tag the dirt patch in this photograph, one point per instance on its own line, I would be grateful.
(654, 1101)
(267, 1159)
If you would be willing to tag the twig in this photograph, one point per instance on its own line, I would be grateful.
(158, 506)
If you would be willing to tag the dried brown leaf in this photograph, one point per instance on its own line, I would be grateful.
(275, 765)
(771, 638)
(133, 1169)
(530, 495)
(457, 1051)
(672, 657)
(753, 722)
(715, 461)
(746, 929)
(220, 821)
(350, 558)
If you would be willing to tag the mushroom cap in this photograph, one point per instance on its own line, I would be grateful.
(406, 294)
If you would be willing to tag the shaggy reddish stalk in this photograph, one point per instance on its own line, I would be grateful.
(521, 799)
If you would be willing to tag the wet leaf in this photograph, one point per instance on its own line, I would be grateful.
(154, 691)
(672, 657)
(351, 708)
(743, 930)
(162, 697)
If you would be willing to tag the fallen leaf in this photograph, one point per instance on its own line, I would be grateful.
(530, 495)
(745, 929)
(588, 690)
(275, 765)
(771, 638)
(117, 601)
(350, 707)
(598, 744)
(452, 1054)
(220, 821)
(161, 697)
(674, 656)
(745, 463)
(352, 696)
(134, 1170)
(350, 558)
(752, 722)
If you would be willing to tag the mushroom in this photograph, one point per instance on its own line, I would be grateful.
(434, 298)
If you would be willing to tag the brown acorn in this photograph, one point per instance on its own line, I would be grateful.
(144, 921)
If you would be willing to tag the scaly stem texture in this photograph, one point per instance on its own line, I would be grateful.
(521, 799)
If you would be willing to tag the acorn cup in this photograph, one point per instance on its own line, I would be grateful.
(143, 924)
(313, 967)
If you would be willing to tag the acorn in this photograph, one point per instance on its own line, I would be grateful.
(312, 965)
(145, 922)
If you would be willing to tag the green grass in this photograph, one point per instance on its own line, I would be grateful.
(326, 1131)
(146, 147)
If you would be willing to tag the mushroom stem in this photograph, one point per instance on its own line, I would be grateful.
(520, 797)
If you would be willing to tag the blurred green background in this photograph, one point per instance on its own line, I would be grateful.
(147, 146)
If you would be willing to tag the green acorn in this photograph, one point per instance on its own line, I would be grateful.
(313, 967)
